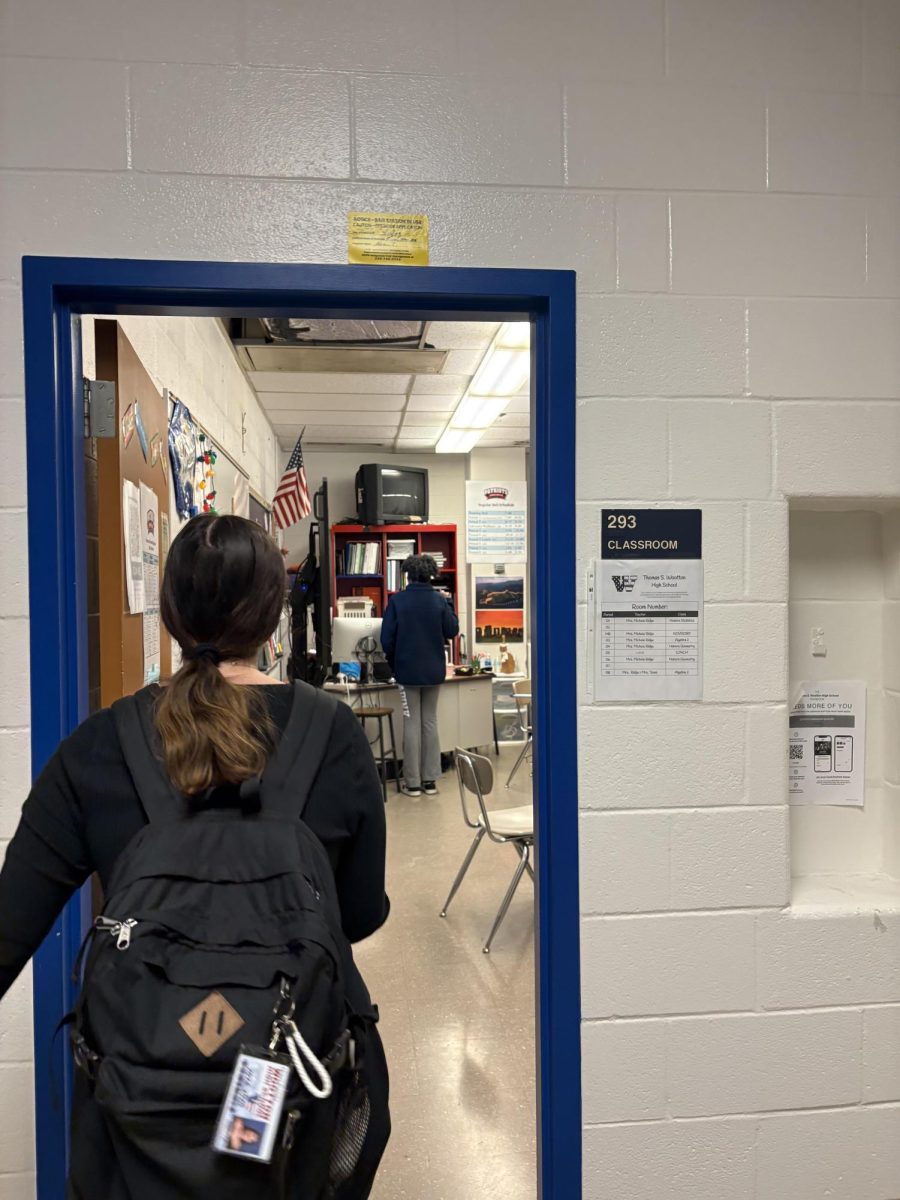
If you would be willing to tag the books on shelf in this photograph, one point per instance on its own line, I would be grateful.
(362, 558)
(396, 581)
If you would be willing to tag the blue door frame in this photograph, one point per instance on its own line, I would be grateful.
(56, 290)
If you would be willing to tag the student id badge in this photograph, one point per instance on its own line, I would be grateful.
(251, 1112)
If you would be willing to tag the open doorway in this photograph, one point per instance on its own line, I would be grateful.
(492, 1065)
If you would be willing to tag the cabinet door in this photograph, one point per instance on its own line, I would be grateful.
(448, 718)
(476, 723)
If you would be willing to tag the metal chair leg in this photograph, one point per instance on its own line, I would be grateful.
(511, 891)
(519, 760)
(396, 757)
(460, 875)
(382, 761)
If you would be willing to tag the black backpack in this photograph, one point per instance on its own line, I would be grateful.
(220, 928)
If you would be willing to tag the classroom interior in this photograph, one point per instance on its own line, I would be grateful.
(415, 438)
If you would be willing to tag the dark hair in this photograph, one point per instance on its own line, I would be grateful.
(222, 594)
(420, 568)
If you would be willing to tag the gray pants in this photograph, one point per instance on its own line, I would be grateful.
(421, 742)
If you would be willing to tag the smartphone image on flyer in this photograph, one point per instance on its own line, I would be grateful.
(822, 753)
(843, 753)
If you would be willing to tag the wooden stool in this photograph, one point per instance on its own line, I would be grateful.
(383, 756)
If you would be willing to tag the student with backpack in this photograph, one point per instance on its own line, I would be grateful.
(225, 1042)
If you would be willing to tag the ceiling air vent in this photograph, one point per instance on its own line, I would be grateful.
(318, 344)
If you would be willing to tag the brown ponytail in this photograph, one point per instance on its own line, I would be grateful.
(221, 597)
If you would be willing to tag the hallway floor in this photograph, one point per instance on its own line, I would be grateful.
(458, 1025)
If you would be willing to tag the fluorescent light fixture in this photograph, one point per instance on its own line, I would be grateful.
(514, 335)
(478, 412)
(501, 374)
(457, 441)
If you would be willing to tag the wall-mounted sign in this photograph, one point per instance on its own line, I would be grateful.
(496, 522)
(827, 744)
(648, 600)
(394, 239)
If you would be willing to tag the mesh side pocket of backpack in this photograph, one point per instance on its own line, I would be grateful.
(351, 1132)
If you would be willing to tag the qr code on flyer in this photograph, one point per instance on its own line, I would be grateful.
(248, 1122)
(796, 754)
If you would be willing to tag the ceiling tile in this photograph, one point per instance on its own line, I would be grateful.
(432, 404)
(416, 444)
(462, 362)
(520, 404)
(461, 335)
(274, 402)
(423, 431)
(426, 418)
(440, 385)
(338, 416)
(326, 384)
(313, 432)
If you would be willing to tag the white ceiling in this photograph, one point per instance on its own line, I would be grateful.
(400, 412)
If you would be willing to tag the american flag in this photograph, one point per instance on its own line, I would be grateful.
(291, 503)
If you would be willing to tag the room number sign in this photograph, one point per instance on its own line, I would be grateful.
(647, 605)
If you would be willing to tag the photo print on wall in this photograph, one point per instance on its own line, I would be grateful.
(499, 591)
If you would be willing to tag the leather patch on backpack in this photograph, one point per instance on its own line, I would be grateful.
(211, 1023)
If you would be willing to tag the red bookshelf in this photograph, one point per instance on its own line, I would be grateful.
(426, 539)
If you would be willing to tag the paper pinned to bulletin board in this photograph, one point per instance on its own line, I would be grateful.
(395, 239)
(134, 558)
(150, 557)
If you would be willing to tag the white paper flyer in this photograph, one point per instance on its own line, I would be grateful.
(827, 743)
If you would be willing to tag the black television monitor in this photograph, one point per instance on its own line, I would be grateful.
(391, 495)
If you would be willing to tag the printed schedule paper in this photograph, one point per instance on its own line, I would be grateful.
(649, 606)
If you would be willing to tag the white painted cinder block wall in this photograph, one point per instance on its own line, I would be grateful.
(723, 175)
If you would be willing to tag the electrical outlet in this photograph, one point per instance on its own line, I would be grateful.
(817, 646)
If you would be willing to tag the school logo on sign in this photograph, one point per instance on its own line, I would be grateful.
(496, 493)
(624, 583)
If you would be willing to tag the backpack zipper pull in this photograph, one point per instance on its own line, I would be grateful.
(120, 930)
(290, 1129)
(123, 941)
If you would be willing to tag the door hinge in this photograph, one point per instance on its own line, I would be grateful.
(99, 408)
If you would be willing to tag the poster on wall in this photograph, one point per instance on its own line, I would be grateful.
(496, 521)
(500, 621)
(500, 625)
(827, 743)
(648, 619)
(240, 496)
(134, 556)
(150, 558)
(499, 591)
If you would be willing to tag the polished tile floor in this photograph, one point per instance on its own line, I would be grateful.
(458, 1025)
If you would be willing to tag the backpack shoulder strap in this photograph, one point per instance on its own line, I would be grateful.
(134, 726)
(293, 768)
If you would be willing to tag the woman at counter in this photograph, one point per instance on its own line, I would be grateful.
(417, 622)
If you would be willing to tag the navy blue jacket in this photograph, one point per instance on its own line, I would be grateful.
(416, 624)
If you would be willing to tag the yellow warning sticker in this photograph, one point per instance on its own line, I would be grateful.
(395, 239)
